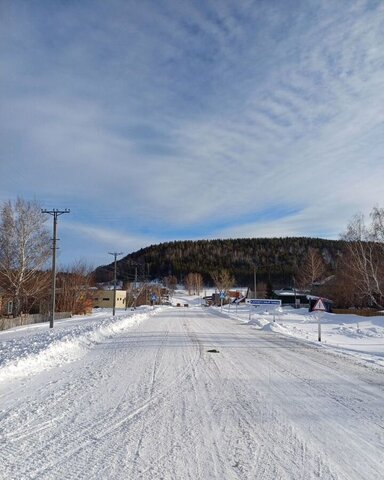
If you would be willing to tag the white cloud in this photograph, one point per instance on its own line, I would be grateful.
(93, 243)
(178, 117)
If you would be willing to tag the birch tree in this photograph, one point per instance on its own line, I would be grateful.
(222, 279)
(194, 283)
(365, 250)
(24, 251)
(312, 269)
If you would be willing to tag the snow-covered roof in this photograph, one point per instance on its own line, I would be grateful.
(289, 292)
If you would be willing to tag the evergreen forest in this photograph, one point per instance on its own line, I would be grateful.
(276, 260)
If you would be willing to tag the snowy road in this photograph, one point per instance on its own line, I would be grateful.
(152, 403)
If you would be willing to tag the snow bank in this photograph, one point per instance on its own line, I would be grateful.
(32, 353)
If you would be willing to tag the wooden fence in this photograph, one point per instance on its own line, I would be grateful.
(358, 311)
(10, 322)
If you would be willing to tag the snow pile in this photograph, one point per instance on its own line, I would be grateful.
(258, 322)
(274, 327)
(264, 323)
(357, 332)
(31, 353)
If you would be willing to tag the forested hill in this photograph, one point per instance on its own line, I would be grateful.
(276, 259)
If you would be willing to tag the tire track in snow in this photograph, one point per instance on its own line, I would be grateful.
(141, 471)
(87, 433)
(273, 392)
(207, 397)
(185, 426)
(261, 421)
(155, 367)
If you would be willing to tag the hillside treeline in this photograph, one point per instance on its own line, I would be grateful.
(277, 260)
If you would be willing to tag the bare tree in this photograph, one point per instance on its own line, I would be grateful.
(312, 269)
(188, 282)
(73, 289)
(194, 283)
(365, 250)
(171, 283)
(222, 279)
(24, 251)
(342, 288)
(198, 279)
(377, 216)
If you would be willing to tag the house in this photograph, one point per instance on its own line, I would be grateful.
(6, 303)
(104, 299)
(292, 296)
(298, 299)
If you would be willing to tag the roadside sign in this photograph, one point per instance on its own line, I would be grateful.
(319, 306)
(257, 302)
(222, 295)
(262, 301)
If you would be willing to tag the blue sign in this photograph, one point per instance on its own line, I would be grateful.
(154, 297)
(262, 301)
(222, 295)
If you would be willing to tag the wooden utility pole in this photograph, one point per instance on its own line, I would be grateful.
(115, 255)
(55, 213)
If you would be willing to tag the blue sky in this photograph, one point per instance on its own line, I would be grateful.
(172, 119)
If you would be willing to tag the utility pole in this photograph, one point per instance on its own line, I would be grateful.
(115, 255)
(254, 281)
(55, 213)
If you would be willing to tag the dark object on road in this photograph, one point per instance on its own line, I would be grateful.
(213, 351)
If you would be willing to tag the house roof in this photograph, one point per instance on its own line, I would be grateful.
(289, 292)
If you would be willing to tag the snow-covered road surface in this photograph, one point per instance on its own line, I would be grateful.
(152, 403)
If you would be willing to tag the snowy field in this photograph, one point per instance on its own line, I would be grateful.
(362, 337)
(194, 393)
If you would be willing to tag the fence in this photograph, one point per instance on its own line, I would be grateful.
(360, 312)
(6, 323)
